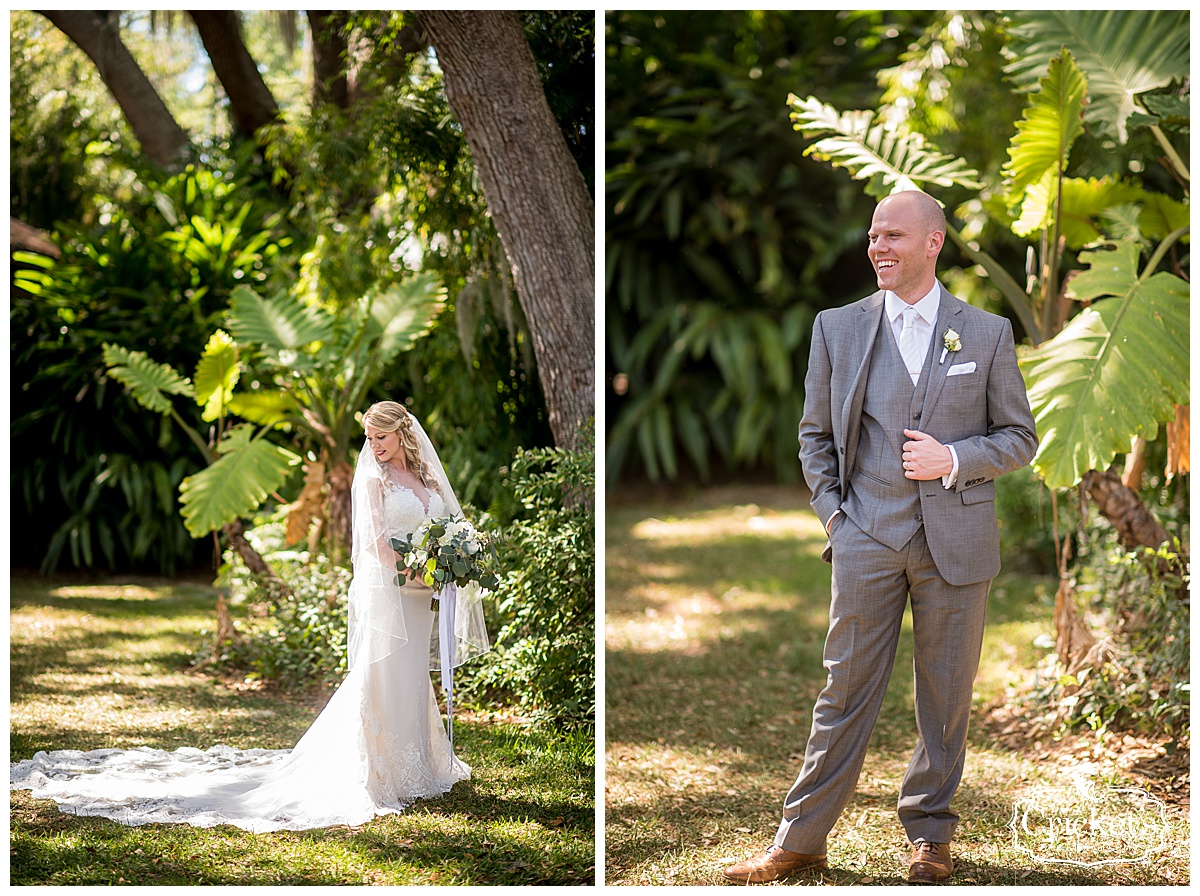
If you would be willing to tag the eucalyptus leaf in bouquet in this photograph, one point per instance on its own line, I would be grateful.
(445, 550)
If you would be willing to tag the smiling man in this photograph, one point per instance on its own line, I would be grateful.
(913, 406)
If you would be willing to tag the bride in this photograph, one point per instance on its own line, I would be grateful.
(379, 743)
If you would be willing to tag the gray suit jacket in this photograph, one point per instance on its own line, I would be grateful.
(984, 414)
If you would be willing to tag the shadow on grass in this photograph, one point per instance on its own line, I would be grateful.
(717, 615)
(527, 817)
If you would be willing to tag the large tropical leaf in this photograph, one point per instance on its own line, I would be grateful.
(403, 313)
(1162, 215)
(1123, 53)
(1085, 201)
(148, 381)
(1037, 156)
(893, 160)
(1116, 371)
(246, 471)
(216, 375)
(276, 324)
(264, 408)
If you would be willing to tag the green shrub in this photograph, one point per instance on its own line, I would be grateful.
(95, 477)
(291, 638)
(544, 656)
(1143, 679)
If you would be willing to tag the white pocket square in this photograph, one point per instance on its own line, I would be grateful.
(957, 369)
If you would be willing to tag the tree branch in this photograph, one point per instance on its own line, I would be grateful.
(162, 139)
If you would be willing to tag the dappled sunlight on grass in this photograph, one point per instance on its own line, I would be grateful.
(107, 592)
(717, 609)
(99, 666)
(686, 581)
(711, 526)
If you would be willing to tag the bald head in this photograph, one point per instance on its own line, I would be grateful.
(921, 209)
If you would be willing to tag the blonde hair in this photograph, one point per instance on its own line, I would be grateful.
(391, 416)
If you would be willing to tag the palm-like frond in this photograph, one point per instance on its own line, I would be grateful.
(1123, 53)
(893, 160)
(276, 324)
(1115, 372)
(148, 381)
(403, 313)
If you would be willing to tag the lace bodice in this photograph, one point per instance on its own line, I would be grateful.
(404, 512)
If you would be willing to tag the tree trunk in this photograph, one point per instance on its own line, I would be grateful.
(330, 84)
(1135, 525)
(96, 33)
(250, 99)
(22, 237)
(535, 194)
(236, 533)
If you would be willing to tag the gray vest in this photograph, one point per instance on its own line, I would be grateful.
(881, 500)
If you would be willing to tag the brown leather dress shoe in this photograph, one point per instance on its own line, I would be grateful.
(774, 864)
(930, 863)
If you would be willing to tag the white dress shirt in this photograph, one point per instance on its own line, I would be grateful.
(926, 320)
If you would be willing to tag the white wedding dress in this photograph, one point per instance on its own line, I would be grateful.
(378, 745)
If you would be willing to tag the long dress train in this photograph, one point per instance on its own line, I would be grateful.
(378, 745)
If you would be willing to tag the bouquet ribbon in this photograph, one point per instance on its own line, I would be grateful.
(447, 599)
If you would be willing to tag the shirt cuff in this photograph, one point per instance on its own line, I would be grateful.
(950, 478)
(832, 518)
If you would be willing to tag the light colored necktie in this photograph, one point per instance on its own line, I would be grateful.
(910, 349)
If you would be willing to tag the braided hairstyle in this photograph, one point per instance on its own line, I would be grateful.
(391, 416)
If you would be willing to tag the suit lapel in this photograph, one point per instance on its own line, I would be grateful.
(863, 338)
(949, 317)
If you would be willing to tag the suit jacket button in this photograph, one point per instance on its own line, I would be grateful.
(916, 416)
(919, 520)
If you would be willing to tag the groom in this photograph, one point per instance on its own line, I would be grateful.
(913, 406)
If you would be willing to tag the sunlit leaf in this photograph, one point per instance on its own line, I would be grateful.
(216, 375)
(241, 478)
(1116, 371)
(1051, 123)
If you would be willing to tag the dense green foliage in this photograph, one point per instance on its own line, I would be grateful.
(323, 209)
(722, 241)
(545, 645)
(154, 271)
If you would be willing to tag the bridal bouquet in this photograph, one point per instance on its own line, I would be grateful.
(447, 550)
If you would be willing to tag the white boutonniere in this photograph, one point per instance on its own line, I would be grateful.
(950, 343)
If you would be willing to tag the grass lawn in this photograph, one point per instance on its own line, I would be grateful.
(108, 665)
(716, 608)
